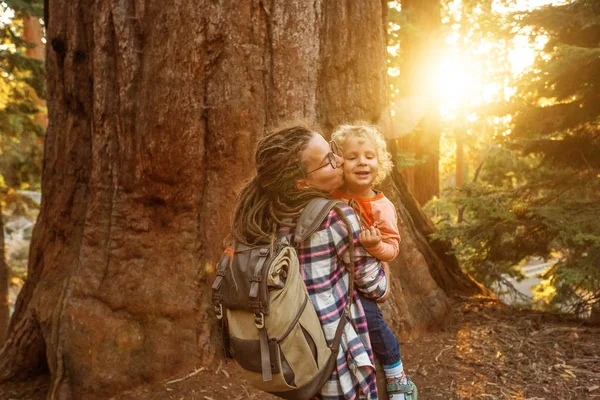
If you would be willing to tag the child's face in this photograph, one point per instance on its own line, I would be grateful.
(360, 166)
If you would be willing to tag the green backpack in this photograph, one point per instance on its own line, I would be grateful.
(269, 323)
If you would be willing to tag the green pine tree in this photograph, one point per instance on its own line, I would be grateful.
(538, 193)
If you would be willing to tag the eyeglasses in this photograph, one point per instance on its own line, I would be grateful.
(331, 160)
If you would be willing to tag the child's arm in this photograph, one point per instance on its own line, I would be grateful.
(373, 235)
(385, 246)
(370, 279)
(385, 250)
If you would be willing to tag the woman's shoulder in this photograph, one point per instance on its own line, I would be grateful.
(334, 217)
(345, 208)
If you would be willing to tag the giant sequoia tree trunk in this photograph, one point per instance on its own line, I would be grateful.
(154, 111)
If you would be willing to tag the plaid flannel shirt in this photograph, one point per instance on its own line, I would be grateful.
(323, 259)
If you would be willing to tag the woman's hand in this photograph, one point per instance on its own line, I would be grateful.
(369, 237)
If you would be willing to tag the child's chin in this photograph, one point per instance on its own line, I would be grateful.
(361, 183)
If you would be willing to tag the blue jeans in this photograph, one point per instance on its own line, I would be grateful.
(383, 341)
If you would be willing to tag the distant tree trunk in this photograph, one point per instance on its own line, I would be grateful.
(461, 165)
(595, 314)
(461, 168)
(4, 277)
(153, 118)
(420, 48)
(33, 33)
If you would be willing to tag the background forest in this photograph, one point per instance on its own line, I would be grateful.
(516, 84)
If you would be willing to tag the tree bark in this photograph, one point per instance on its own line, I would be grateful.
(153, 115)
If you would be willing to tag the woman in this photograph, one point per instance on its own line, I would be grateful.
(293, 166)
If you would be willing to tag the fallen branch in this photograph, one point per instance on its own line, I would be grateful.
(586, 372)
(511, 394)
(443, 350)
(579, 361)
(247, 392)
(558, 329)
(195, 372)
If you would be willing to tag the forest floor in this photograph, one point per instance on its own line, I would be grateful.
(490, 351)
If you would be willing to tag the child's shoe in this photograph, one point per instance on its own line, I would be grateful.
(401, 391)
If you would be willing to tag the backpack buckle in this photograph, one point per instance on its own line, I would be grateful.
(259, 320)
(219, 311)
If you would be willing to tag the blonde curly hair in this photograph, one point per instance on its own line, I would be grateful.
(364, 130)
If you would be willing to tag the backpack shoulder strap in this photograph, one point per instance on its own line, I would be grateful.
(312, 216)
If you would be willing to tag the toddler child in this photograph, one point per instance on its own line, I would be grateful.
(367, 162)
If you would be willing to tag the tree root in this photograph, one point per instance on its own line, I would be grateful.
(23, 353)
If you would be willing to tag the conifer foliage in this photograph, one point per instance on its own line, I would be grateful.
(538, 191)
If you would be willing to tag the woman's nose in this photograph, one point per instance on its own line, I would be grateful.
(339, 161)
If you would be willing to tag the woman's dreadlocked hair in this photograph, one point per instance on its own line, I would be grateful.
(271, 197)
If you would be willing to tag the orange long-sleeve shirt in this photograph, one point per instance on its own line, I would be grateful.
(380, 212)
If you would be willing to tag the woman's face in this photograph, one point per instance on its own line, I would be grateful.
(315, 156)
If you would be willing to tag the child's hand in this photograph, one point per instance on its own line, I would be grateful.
(370, 237)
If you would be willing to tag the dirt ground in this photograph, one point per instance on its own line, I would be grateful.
(491, 351)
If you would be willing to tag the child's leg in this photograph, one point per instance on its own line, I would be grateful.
(387, 349)
(384, 342)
